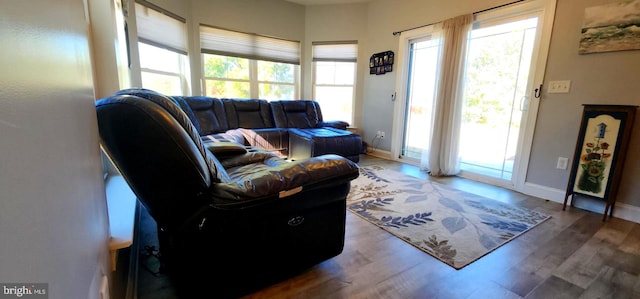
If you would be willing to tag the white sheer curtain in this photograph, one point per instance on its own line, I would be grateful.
(442, 156)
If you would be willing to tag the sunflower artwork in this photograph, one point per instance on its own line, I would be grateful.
(593, 163)
(596, 156)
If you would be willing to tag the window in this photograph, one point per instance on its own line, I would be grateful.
(276, 80)
(226, 76)
(234, 77)
(163, 70)
(164, 65)
(242, 65)
(334, 74)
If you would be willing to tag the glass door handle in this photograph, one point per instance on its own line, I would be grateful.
(524, 103)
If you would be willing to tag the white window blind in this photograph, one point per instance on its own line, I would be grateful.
(247, 45)
(335, 51)
(161, 30)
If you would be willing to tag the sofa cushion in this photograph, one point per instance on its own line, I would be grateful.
(295, 114)
(269, 176)
(209, 113)
(225, 148)
(228, 136)
(271, 139)
(248, 113)
(305, 143)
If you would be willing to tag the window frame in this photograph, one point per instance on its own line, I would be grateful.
(253, 47)
(314, 75)
(183, 71)
(254, 83)
(159, 22)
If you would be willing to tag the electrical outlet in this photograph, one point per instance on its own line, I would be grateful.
(562, 163)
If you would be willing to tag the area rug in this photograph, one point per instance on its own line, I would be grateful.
(455, 227)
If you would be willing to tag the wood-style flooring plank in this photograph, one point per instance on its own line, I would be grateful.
(612, 283)
(555, 288)
(585, 264)
(631, 243)
(493, 290)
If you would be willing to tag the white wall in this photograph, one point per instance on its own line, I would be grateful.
(602, 78)
(53, 217)
(337, 23)
(110, 69)
(178, 7)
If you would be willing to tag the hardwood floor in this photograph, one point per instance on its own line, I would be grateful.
(572, 255)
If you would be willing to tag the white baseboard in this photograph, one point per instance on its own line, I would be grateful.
(544, 192)
(622, 210)
(628, 212)
(381, 154)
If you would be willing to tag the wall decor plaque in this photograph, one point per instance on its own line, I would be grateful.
(600, 152)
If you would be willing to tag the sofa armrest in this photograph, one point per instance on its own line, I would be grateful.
(338, 124)
(275, 178)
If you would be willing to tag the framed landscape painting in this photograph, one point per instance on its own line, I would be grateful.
(611, 27)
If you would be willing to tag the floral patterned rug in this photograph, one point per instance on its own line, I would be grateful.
(454, 226)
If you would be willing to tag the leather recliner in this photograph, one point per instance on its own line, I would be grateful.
(229, 218)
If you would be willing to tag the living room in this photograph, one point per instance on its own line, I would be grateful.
(602, 78)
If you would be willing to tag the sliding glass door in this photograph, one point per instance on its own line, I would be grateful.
(501, 66)
(421, 92)
(497, 82)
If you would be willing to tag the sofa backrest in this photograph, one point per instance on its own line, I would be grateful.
(159, 152)
(209, 114)
(316, 106)
(182, 103)
(214, 115)
(248, 113)
(173, 107)
(295, 114)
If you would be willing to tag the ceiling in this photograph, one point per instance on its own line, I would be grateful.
(321, 2)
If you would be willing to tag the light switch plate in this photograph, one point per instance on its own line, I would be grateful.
(559, 86)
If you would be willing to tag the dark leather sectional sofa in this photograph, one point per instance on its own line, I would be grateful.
(293, 129)
(231, 219)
